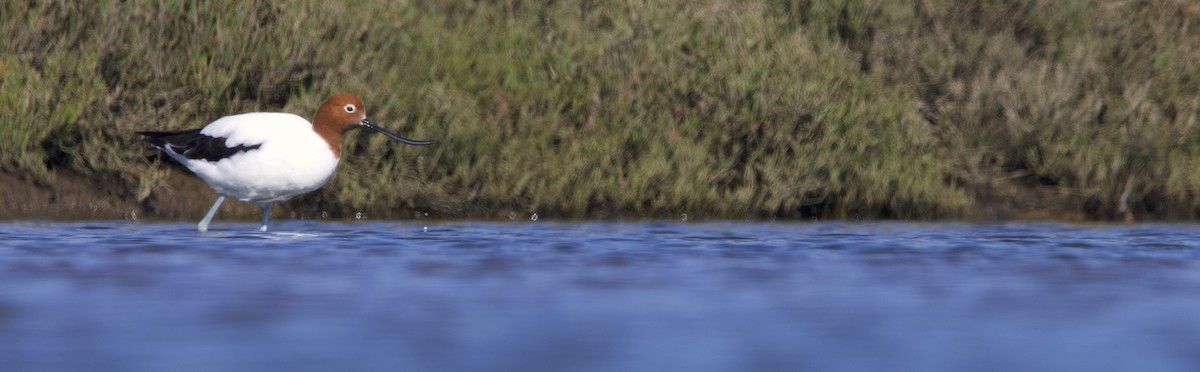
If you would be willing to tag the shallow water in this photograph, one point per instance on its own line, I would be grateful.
(620, 296)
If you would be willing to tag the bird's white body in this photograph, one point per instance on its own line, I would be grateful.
(291, 159)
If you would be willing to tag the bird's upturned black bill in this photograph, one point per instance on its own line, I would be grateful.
(370, 124)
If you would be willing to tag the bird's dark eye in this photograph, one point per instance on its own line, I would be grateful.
(350, 108)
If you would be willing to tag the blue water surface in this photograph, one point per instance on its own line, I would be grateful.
(599, 296)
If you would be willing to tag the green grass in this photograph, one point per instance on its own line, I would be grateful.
(754, 109)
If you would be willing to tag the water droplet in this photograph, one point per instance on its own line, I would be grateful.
(533, 217)
(425, 229)
(359, 215)
(683, 217)
(324, 214)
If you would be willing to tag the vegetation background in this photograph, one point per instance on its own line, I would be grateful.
(923, 109)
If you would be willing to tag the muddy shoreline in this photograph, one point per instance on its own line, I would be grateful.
(185, 198)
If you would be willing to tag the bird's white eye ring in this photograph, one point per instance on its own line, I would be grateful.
(350, 108)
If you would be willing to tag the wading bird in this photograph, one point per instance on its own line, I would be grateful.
(268, 157)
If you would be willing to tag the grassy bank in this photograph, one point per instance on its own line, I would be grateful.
(832, 109)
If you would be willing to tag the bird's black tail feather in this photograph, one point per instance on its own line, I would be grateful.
(192, 144)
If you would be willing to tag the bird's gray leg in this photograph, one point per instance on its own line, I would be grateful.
(203, 226)
(266, 214)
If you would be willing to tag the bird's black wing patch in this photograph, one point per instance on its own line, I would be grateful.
(194, 145)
